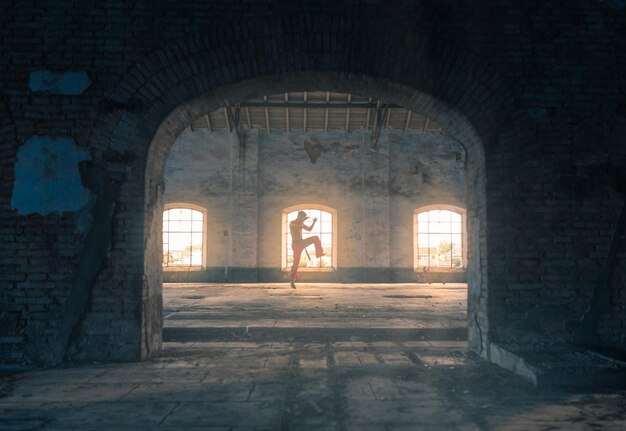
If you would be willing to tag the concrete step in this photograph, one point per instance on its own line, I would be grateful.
(321, 334)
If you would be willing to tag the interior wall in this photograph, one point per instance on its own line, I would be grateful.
(534, 98)
(375, 189)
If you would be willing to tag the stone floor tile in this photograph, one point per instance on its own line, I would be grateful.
(267, 392)
(378, 345)
(359, 389)
(251, 414)
(347, 359)
(106, 414)
(314, 363)
(414, 343)
(278, 361)
(367, 414)
(440, 360)
(367, 359)
(359, 345)
(184, 392)
(62, 392)
(395, 359)
(342, 345)
(448, 344)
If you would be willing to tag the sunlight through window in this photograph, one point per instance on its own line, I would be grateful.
(182, 237)
(322, 228)
(439, 239)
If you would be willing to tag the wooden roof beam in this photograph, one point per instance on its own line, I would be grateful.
(326, 112)
(267, 116)
(348, 114)
(226, 117)
(287, 112)
(249, 121)
(305, 111)
(407, 120)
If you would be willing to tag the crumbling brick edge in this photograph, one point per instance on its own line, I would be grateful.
(512, 362)
(571, 369)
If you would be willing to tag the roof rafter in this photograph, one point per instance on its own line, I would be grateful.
(315, 110)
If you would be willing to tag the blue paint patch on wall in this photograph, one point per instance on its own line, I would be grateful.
(67, 83)
(47, 179)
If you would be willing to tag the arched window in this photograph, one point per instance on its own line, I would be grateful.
(183, 236)
(325, 228)
(439, 238)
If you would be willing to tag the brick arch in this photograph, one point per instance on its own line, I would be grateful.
(187, 78)
(213, 60)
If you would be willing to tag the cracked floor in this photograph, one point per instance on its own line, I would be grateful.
(322, 357)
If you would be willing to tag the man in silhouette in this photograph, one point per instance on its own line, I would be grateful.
(298, 244)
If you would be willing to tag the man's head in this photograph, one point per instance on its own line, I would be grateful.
(302, 216)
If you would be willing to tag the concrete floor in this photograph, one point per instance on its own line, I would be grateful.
(322, 357)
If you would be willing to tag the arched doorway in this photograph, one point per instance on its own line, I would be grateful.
(183, 86)
(180, 117)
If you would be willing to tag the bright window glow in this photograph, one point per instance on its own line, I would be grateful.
(439, 239)
(182, 237)
(323, 228)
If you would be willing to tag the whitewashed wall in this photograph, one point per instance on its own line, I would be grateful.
(374, 189)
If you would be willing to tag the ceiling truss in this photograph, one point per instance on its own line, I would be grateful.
(308, 111)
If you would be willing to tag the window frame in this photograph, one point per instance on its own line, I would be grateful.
(190, 206)
(452, 208)
(285, 232)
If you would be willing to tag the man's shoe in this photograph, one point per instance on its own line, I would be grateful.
(292, 284)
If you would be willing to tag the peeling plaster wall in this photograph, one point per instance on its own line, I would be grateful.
(426, 169)
(199, 171)
(47, 179)
(375, 191)
(67, 83)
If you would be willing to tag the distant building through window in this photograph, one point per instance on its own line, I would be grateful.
(439, 238)
(183, 237)
(325, 228)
